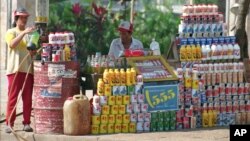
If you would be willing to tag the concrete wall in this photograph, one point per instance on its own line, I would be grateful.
(30, 7)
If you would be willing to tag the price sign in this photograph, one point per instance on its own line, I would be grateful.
(56, 70)
(161, 98)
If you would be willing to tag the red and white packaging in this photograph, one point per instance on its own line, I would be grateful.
(222, 89)
(133, 117)
(248, 106)
(146, 126)
(134, 98)
(216, 91)
(136, 108)
(140, 117)
(129, 108)
(217, 106)
(144, 108)
(235, 107)
(234, 89)
(240, 89)
(242, 106)
(229, 107)
(140, 98)
(209, 92)
(210, 106)
(186, 122)
(228, 89)
(223, 107)
(246, 88)
(147, 117)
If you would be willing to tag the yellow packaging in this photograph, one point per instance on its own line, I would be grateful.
(117, 77)
(118, 119)
(96, 120)
(126, 118)
(118, 100)
(210, 118)
(107, 90)
(106, 78)
(189, 53)
(183, 52)
(204, 119)
(118, 128)
(105, 109)
(114, 109)
(188, 82)
(94, 129)
(194, 56)
(125, 99)
(122, 109)
(111, 128)
(132, 127)
(104, 119)
(111, 119)
(100, 87)
(198, 52)
(123, 77)
(133, 76)
(195, 84)
(128, 77)
(124, 128)
(111, 77)
(103, 129)
(215, 118)
(111, 100)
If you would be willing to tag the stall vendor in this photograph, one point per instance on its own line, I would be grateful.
(126, 41)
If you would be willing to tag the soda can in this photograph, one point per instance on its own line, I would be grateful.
(103, 129)
(105, 109)
(136, 108)
(111, 100)
(166, 126)
(132, 127)
(125, 99)
(118, 119)
(103, 100)
(122, 109)
(167, 115)
(210, 100)
(140, 98)
(96, 109)
(241, 66)
(146, 126)
(129, 108)
(118, 128)
(139, 79)
(116, 90)
(147, 117)
(144, 108)
(139, 127)
(209, 91)
(133, 117)
(111, 119)
(95, 129)
(111, 128)
(228, 89)
(234, 89)
(238, 118)
(114, 109)
(138, 89)
(172, 115)
(133, 98)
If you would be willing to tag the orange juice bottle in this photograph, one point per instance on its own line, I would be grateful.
(133, 76)
(128, 77)
(198, 52)
(123, 77)
(194, 56)
(189, 53)
(100, 87)
(210, 118)
(106, 78)
(183, 53)
(117, 77)
(111, 77)
(204, 119)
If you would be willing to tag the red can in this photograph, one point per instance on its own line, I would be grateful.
(228, 89)
(216, 91)
(186, 122)
(240, 89)
(222, 89)
(209, 92)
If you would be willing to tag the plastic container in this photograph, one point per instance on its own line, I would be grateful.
(155, 47)
(76, 116)
(236, 51)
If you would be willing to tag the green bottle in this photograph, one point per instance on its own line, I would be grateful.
(33, 42)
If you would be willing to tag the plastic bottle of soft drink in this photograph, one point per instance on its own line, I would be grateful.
(236, 51)
(189, 53)
(100, 87)
(133, 76)
(219, 51)
(194, 55)
(209, 52)
(214, 52)
(106, 77)
(225, 51)
(183, 53)
(111, 77)
(123, 77)
(128, 77)
(204, 52)
(198, 52)
(230, 51)
(210, 118)
(117, 77)
(205, 119)
(67, 53)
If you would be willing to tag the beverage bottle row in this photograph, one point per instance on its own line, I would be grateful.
(217, 18)
(61, 38)
(200, 9)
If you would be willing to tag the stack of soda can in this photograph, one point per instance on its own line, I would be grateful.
(163, 121)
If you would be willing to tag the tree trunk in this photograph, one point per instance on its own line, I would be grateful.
(241, 35)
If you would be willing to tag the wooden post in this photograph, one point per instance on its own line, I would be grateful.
(132, 12)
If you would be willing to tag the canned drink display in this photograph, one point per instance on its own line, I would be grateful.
(218, 78)
(107, 90)
(118, 128)
(118, 119)
(125, 99)
(240, 90)
(228, 89)
(229, 77)
(153, 126)
(223, 107)
(147, 117)
(125, 128)
(228, 98)
(209, 91)
(234, 89)
(213, 79)
(111, 128)
(222, 89)
(131, 90)
(229, 107)
(129, 108)
(242, 105)
(114, 109)
(96, 120)
(224, 77)
(122, 109)
(208, 79)
(140, 117)
(146, 126)
(216, 91)
(240, 76)
(235, 77)
(235, 107)
(246, 88)
(111, 100)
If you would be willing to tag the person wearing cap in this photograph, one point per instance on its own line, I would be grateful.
(17, 39)
(126, 41)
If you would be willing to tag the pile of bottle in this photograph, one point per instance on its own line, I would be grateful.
(200, 9)
(61, 38)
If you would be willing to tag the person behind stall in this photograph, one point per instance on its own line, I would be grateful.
(126, 41)
(17, 39)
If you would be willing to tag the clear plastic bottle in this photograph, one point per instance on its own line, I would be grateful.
(155, 47)
(219, 51)
(236, 51)
(225, 51)
(204, 52)
(214, 52)
(209, 52)
(230, 51)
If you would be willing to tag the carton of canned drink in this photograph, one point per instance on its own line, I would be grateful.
(213, 79)
(104, 119)
(147, 117)
(234, 89)
(118, 128)
(96, 109)
(228, 89)
(204, 107)
(235, 77)
(95, 129)
(208, 78)
(242, 106)
(136, 108)
(153, 126)
(232, 119)
(186, 122)
(240, 89)
(103, 100)
(133, 117)
(105, 109)
(111, 119)
(209, 91)
(222, 89)
(217, 106)
(246, 88)
(146, 126)
(111, 128)
(140, 117)
(210, 106)
(181, 87)
(96, 120)
(223, 107)
(154, 116)
(118, 100)
(118, 119)
(235, 107)
(218, 78)
(138, 89)
(160, 116)
(114, 109)
(160, 126)
(144, 108)
(122, 109)
(229, 107)
(111, 100)
(134, 98)
(140, 98)
(216, 91)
